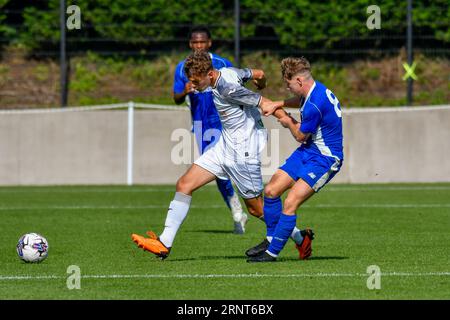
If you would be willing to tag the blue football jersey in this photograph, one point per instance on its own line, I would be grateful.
(201, 103)
(321, 116)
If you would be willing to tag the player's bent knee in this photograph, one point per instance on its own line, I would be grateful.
(255, 212)
(255, 209)
(271, 192)
(184, 186)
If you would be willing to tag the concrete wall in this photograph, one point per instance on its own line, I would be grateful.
(397, 145)
(381, 145)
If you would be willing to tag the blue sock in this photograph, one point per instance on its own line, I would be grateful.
(282, 233)
(272, 213)
(226, 189)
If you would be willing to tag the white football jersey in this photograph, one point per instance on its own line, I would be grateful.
(243, 133)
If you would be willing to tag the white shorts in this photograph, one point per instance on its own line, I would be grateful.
(245, 173)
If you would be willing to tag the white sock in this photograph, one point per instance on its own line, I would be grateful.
(297, 236)
(271, 254)
(178, 210)
(236, 207)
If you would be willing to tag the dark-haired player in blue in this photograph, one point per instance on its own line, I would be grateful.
(205, 118)
(310, 166)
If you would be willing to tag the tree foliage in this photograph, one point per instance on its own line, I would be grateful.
(304, 23)
(295, 23)
(5, 30)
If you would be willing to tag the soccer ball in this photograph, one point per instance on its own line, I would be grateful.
(32, 247)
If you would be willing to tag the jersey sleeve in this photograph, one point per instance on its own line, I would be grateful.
(220, 62)
(244, 74)
(228, 64)
(179, 80)
(241, 96)
(311, 118)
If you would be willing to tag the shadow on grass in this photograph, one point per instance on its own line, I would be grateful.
(202, 258)
(316, 258)
(212, 231)
(244, 258)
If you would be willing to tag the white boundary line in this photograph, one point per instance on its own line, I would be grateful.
(165, 206)
(390, 188)
(219, 276)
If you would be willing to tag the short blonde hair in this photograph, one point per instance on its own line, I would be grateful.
(292, 66)
(198, 63)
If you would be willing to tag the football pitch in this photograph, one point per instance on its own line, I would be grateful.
(402, 229)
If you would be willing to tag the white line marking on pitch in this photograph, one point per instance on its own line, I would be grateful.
(89, 207)
(390, 188)
(212, 276)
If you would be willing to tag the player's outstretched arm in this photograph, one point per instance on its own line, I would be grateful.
(276, 107)
(269, 107)
(294, 126)
(293, 102)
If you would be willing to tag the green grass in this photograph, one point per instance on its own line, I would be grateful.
(400, 228)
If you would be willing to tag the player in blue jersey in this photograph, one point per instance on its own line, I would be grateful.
(205, 118)
(310, 166)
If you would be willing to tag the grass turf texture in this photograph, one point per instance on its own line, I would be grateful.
(402, 228)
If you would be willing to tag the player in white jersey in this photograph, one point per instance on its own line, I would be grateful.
(205, 118)
(235, 155)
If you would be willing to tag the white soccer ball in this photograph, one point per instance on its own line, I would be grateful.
(32, 247)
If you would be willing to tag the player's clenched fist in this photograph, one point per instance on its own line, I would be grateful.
(268, 107)
(188, 88)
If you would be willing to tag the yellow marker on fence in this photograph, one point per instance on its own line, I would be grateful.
(409, 71)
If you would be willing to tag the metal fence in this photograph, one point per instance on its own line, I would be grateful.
(413, 39)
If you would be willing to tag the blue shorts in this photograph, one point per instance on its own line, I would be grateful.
(208, 136)
(315, 170)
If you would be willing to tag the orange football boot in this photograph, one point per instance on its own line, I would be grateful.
(305, 249)
(152, 244)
